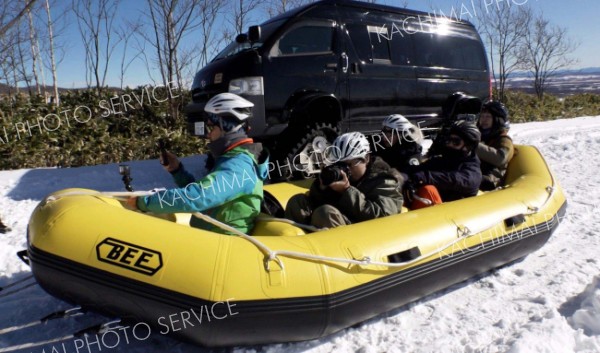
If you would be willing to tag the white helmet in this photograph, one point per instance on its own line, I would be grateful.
(229, 104)
(349, 146)
(396, 121)
(410, 132)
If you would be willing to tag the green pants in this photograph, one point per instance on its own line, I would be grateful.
(300, 210)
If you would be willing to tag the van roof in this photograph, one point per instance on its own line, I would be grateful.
(362, 5)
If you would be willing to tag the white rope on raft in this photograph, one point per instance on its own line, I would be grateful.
(272, 255)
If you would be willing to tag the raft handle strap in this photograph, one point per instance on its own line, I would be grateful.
(514, 220)
(406, 255)
(270, 258)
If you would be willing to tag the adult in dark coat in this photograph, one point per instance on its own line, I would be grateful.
(399, 143)
(368, 189)
(456, 171)
(496, 148)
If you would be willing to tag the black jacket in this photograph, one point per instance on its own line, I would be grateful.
(455, 178)
(399, 155)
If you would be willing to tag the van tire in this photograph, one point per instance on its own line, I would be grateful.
(301, 142)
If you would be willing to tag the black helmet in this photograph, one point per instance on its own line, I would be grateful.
(467, 131)
(499, 112)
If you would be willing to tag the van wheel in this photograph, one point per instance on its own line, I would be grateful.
(303, 156)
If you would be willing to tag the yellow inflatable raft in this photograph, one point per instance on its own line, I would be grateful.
(281, 285)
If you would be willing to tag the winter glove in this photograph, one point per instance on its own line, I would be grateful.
(172, 164)
(418, 179)
(408, 188)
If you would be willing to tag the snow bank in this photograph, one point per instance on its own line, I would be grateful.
(587, 317)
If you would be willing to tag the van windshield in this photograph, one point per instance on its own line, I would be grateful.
(235, 47)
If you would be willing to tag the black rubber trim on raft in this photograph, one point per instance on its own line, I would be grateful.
(277, 320)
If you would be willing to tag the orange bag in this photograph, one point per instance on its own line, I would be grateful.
(427, 195)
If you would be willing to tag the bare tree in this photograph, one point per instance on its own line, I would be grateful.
(52, 56)
(4, 27)
(10, 41)
(15, 57)
(95, 21)
(545, 51)
(237, 20)
(277, 7)
(208, 14)
(170, 22)
(240, 14)
(23, 61)
(15, 66)
(34, 52)
(504, 30)
(124, 34)
(8, 60)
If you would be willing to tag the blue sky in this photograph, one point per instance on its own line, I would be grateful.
(580, 17)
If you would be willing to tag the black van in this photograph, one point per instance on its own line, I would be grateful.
(336, 65)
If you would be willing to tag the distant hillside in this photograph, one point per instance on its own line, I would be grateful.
(564, 83)
(584, 71)
(4, 89)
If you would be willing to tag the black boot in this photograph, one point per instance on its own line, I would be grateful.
(3, 228)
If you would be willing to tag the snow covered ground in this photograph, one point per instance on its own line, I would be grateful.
(550, 302)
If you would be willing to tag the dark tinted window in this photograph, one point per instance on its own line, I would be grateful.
(376, 43)
(402, 49)
(306, 39)
(448, 51)
(362, 42)
(380, 42)
(371, 42)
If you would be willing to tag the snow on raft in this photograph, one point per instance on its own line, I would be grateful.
(529, 306)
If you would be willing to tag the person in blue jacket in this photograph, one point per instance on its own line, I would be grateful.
(455, 172)
(232, 191)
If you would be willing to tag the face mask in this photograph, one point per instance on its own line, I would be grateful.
(485, 132)
(452, 153)
(218, 146)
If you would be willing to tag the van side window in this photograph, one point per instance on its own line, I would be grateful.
(362, 42)
(448, 51)
(308, 39)
(371, 42)
(380, 43)
(402, 49)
